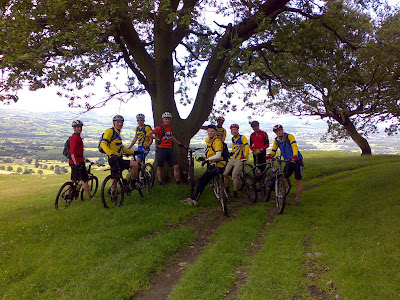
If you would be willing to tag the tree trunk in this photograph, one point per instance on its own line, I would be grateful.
(356, 137)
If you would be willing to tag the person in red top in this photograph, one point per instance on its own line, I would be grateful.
(77, 161)
(259, 143)
(164, 136)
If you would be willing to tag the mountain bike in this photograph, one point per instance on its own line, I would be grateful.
(275, 181)
(146, 174)
(247, 179)
(190, 167)
(218, 187)
(71, 190)
(115, 187)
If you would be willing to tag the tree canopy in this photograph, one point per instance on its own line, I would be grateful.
(171, 47)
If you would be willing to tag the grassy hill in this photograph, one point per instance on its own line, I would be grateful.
(340, 242)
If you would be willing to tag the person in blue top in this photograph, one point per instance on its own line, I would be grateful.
(288, 146)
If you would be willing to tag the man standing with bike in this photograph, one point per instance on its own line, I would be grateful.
(294, 160)
(77, 161)
(111, 144)
(144, 142)
(163, 134)
(259, 143)
(240, 153)
(215, 164)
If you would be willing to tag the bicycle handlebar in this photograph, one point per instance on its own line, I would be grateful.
(93, 163)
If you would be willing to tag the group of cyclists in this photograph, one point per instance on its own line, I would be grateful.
(112, 146)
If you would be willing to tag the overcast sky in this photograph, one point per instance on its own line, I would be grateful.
(46, 100)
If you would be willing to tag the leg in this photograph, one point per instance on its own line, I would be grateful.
(176, 173)
(159, 173)
(133, 165)
(299, 191)
(86, 188)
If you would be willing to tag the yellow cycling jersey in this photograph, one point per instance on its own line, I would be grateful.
(240, 147)
(141, 132)
(114, 145)
(214, 145)
(221, 133)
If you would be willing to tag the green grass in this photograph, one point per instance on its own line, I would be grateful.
(350, 216)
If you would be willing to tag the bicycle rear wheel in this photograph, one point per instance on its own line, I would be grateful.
(267, 187)
(150, 170)
(65, 195)
(93, 185)
(280, 195)
(112, 192)
(250, 187)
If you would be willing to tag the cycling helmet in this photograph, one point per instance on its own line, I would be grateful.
(77, 123)
(276, 127)
(166, 115)
(140, 117)
(118, 118)
(234, 126)
(254, 124)
(212, 127)
(221, 118)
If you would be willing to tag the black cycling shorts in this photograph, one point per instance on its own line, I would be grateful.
(120, 163)
(296, 167)
(79, 172)
(166, 155)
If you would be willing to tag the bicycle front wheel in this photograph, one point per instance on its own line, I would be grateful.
(220, 193)
(112, 194)
(267, 187)
(250, 187)
(280, 195)
(150, 170)
(93, 185)
(65, 195)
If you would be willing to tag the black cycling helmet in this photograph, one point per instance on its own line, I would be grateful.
(77, 123)
(212, 126)
(118, 118)
(276, 127)
(254, 124)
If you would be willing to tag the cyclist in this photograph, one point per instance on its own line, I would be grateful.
(288, 146)
(240, 152)
(77, 161)
(221, 132)
(163, 134)
(113, 147)
(213, 155)
(259, 143)
(144, 142)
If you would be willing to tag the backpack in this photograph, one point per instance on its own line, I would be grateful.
(114, 136)
(66, 149)
(225, 151)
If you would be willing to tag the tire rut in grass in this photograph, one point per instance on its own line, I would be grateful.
(205, 224)
(254, 248)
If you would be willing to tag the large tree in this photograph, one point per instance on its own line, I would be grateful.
(164, 43)
(350, 76)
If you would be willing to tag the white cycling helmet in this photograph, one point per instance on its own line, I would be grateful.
(166, 115)
(140, 117)
(77, 123)
(118, 118)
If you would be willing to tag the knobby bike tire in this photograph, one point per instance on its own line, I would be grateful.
(112, 196)
(149, 168)
(248, 169)
(147, 178)
(219, 191)
(289, 186)
(250, 187)
(93, 185)
(65, 195)
(267, 187)
(280, 195)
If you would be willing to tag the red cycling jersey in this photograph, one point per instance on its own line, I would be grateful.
(166, 138)
(259, 140)
(76, 149)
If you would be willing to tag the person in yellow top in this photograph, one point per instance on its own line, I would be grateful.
(240, 152)
(294, 159)
(111, 144)
(213, 156)
(221, 132)
(144, 142)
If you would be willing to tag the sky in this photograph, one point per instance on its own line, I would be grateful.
(46, 100)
